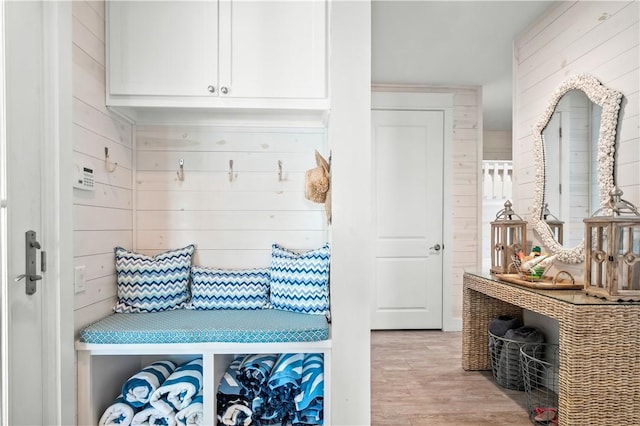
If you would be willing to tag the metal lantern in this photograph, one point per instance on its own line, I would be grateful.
(507, 238)
(612, 246)
(555, 224)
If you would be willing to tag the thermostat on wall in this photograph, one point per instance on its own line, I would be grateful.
(83, 178)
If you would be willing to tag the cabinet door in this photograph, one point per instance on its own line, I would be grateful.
(273, 49)
(162, 48)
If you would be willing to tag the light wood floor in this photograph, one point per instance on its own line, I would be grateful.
(417, 379)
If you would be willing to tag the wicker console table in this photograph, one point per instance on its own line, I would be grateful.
(599, 376)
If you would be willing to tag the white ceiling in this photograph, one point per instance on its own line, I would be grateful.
(452, 43)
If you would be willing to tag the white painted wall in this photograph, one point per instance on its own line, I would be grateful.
(102, 218)
(497, 145)
(352, 228)
(232, 220)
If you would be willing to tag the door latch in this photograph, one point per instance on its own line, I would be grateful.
(31, 247)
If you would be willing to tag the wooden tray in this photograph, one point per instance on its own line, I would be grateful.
(546, 283)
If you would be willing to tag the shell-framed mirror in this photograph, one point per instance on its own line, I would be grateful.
(574, 146)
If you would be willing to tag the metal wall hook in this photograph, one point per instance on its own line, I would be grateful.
(280, 171)
(230, 170)
(180, 172)
(111, 167)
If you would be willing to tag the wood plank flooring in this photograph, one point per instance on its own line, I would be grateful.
(417, 379)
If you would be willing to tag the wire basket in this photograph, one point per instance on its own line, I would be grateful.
(506, 361)
(540, 373)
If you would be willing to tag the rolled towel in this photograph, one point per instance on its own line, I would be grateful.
(180, 388)
(283, 384)
(501, 324)
(233, 404)
(255, 371)
(311, 391)
(118, 413)
(138, 389)
(150, 416)
(192, 414)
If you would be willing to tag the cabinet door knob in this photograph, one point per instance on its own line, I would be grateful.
(224, 90)
(211, 89)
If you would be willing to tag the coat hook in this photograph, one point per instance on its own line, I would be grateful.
(180, 172)
(280, 171)
(111, 167)
(230, 170)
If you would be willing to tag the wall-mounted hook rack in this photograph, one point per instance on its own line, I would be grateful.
(111, 167)
(230, 170)
(280, 171)
(180, 172)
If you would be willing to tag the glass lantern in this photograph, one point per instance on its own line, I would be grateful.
(508, 232)
(612, 251)
(555, 224)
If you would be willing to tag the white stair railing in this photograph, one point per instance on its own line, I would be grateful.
(497, 179)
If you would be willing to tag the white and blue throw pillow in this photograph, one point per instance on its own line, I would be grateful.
(153, 284)
(299, 282)
(229, 288)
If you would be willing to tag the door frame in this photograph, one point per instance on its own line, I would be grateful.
(410, 98)
(59, 381)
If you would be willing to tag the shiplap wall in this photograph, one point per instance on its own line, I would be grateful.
(232, 215)
(102, 218)
(600, 38)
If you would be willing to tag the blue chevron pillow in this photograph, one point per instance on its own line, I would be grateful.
(153, 284)
(229, 288)
(300, 281)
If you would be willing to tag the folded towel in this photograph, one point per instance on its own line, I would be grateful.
(192, 414)
(501, 324)
(311, 393)
(509, 371)
(180, 388)
(138, 389)
(235, 415)
(118, 413)
(150, 416)
(255, 370)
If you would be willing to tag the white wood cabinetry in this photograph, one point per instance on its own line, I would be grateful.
(217, 54)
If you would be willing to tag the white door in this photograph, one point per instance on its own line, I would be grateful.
(32, 371)
(408, 153)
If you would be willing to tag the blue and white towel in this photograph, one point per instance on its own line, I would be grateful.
(118, 413)
(180, 387)
(151, 416)
(233, 403)
(277, 405)
(138, 389)
(255, 371)
(192, 414)
(309, 400)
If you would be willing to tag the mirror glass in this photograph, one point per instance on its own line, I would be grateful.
(574, 155)
(570, 141)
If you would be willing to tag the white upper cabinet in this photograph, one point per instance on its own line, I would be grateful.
(234, 54)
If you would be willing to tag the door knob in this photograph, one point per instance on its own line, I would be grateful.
(437, 247)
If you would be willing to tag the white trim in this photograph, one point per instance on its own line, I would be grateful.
(4, 270)
(56, 223)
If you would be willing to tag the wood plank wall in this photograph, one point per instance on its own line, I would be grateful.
(102, 218)
(232, 213)
(600, 38)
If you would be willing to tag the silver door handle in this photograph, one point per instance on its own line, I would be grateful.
(437, 247)
(31, 247)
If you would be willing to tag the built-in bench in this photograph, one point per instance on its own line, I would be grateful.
(116, 347)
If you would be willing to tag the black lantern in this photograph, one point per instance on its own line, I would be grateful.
(612, 251)
(508, 232)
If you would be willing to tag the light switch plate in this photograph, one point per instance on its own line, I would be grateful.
(79, 281)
